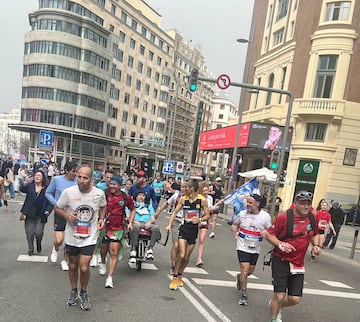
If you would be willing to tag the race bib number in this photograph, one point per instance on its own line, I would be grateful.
(250, 242)
(322, 224)
(296, 269)
(157, 190)
(82, 229)
(189, 214)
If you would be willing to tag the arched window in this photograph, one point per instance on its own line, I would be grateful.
(271, 85)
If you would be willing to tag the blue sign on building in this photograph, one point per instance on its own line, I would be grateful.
(46, 139)
(169, 167)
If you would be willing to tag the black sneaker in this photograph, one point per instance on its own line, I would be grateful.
(72, 300)
(85, 304)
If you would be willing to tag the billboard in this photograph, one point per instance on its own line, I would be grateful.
(252, 135)
(223, 138)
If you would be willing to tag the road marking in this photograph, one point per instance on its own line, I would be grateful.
(233, 273)
(195, 270)
(335, 284)
(147, 266)
(197, 305)
(35, 258)
(266, 287)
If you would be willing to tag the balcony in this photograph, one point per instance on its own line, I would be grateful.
(319, 106)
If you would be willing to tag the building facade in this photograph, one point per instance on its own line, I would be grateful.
(109, 83)
(310, 49)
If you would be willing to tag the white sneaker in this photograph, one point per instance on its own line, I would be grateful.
(212, 235)
(98, 258)
(132, 258)
(54, 255)
(109, 282)
(94, 261)
(149, 254)
(64, 265)
(102, 269)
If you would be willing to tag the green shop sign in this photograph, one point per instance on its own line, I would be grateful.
(308, 168)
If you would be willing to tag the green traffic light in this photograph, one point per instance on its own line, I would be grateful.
(274, 166)
(193, 87)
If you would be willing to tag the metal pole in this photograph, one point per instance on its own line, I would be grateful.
(71, 135)
(173, 121)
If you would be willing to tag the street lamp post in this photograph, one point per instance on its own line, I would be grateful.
(171, 137)
(240, 108)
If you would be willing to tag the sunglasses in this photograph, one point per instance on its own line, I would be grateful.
(304, 194)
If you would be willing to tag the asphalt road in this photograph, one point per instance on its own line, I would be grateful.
(37, 291)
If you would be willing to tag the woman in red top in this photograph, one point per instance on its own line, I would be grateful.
(323, 218)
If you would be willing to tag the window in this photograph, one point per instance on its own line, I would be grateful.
(122, 37)
(128, 80)
(278, 36)
(221, 116)
(151, 55)
(145, 106)
(125, 116)
(130, 61)
(134, 119)
(111, 28)
(148, 72)
(161, 44)
(155, 94)
(270, 16)
(136, 102)
(140, 67)
(157, 77)
(152, 38)
(132, 43)
(127, 98)
(142, 50)
(282, 81)
(151, 126)
(271, 84)
(282, 10)
(138, 85)
(113, 9)
(147, 89)
(325, 76)
(143, 31)
(123, 17)
(143, 123)
(134, 24)
(336, 11)
(315, 132)
(222, 107)
(159, 61)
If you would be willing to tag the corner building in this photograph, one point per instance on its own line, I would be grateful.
(94, 71)
(311, 49)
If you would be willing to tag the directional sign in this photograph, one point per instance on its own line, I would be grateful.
(223, 81)
(168, 167)
(46, 139)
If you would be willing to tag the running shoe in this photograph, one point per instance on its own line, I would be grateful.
(172, 270)
(72, 300)
(149, 254)
(238, 285)
(64, 265)
(109, 282)
(243, 300)
(85, 304)
(54, 255)
(102, 269)
(199, 263)
(212, 235)
(94, 261)
(180, 282)
(173, 284)
(132, 258)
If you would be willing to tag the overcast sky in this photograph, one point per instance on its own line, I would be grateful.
(213, 25)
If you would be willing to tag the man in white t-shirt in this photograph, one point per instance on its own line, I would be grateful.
(249, 224)
(84, 208)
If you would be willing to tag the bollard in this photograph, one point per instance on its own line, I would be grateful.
(354, 244)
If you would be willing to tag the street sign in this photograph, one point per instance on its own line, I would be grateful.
(168, 167)
(46, 139)
(223, 81)
(180, 167)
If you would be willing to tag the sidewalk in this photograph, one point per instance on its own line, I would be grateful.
(342, 250)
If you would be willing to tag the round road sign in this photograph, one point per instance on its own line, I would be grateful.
(223, 81)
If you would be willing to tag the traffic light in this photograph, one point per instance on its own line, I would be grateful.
(275, 158)
(193, 79)
(282, 176)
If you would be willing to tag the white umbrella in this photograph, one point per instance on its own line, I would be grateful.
(262, 174)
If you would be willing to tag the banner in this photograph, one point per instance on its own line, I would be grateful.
(238, 197)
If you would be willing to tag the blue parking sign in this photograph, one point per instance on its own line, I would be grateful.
(46, 139)
(169, 167)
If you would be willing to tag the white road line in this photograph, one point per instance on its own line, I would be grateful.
(233, 273)
(147, 266)
(195, 270)
(211, 305)
(336, 284)
(35, 259)
(202, 310)
(266, 287)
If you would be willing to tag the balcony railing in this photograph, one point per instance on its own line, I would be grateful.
(319, 106)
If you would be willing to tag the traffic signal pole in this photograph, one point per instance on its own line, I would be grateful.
(285, 134)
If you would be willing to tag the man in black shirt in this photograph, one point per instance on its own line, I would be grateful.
(337, 218)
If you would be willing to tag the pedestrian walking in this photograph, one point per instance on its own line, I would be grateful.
(83, 206)
(35, 210)
(337, 218)
(291, 234)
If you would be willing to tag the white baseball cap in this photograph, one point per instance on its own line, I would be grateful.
(218, 179)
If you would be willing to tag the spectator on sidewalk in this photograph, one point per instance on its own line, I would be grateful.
(337, 218)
